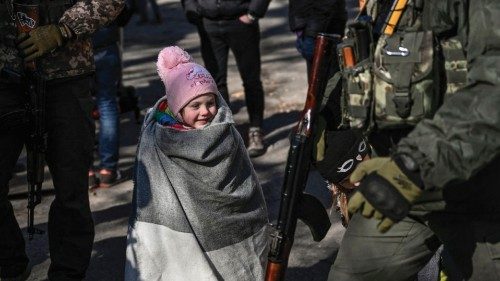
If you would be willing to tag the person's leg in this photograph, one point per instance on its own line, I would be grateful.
(13, 259)
(215, 51)
(142, 6)
(156, 11)
(366, 254)
(473, 244)
(70, 143)
(305, 46)
(209, 58)
(244, 41)
(107, 62)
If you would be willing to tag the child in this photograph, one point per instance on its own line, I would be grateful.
(198, 209)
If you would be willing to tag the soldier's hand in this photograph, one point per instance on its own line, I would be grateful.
(386, 193)
(39, 41)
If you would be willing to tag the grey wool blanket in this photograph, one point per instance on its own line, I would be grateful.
(198, 209)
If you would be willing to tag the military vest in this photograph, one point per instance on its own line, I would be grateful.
(395, 81)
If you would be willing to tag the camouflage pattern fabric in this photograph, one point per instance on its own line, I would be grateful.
(75, 58)
(455, 65)
(358, 96)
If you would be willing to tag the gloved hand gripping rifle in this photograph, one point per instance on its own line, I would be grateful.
(295, 204)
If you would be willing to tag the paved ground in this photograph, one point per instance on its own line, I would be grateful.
(284, 78)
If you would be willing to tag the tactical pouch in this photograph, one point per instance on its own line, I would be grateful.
(405, 91)
(357, 94)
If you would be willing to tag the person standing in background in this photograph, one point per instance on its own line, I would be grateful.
(225, 25)
(307, 18)
(107, 55)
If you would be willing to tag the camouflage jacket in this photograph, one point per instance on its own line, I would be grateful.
(84, 17)
(458, 151)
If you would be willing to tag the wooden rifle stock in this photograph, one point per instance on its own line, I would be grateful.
(26, 19)
(295, 203)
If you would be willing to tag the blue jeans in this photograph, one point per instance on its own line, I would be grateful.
(107, 61)
(305, 46)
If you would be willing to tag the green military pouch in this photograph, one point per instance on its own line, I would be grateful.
(357, 96)
(405, 91)
(356, 53)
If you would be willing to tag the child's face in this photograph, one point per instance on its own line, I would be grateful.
(199, 111)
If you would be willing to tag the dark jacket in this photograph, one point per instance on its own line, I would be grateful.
(314, 16)
(225, 9)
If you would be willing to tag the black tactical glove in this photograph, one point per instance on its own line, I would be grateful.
(388, 189)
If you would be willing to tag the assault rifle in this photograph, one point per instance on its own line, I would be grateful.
(295, 204)
(36, 144)
(26, 19)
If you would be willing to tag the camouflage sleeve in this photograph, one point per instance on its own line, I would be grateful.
(86, 16)
(464, 135)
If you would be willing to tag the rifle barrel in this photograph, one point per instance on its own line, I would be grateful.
(298, 161)
(27, 18)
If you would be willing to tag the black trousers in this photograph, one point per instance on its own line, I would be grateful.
(217, 38)
(69, 154)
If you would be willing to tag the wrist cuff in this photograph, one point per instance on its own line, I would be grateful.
(66, 32)
(410, 168)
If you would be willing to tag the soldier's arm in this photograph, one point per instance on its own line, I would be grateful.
(86, 16)
(464, 135)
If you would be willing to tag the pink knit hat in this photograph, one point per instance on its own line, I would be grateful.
(183, 78)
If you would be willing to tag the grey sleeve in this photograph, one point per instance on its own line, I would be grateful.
(462, 138)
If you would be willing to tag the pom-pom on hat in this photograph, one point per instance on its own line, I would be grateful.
(183, 78)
